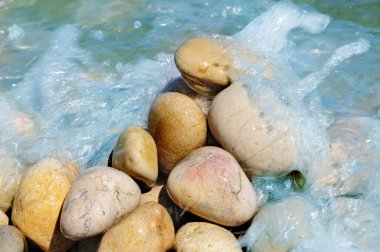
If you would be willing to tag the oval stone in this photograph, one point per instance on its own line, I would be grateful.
(178, 126)
(4, 220)
(148, 228)
(10, 176)
(211, 184)
(12, 240)
(135, 153)
(97, 199)
(39, 199)
(261, 146)
(205, 237)
(205, 64)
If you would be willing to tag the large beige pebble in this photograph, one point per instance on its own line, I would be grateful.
(260, 145)
(11, 240)
(39, 199)
(10, 176)
(148, 228)
(352, 160)
(211, 184)
(4, 220)
(205, 64)
(97, 199)
(135, 153)
(205, 237)
(178, 126)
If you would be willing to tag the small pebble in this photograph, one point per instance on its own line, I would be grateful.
(11, 240)
(38, 202)
(135, 154)
(97, 199)
(148, 228)
(4, 220)
(178, 126)
(205, 237)
(205, 65)
(211, 184)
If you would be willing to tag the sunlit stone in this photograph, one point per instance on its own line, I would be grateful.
(135, 153)
(98, 198)
(178, 126)
(38, 201)
(211, 184)
(148, 228)
(205, 237)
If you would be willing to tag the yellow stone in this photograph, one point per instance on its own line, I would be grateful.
(205, 64)
(178, 126)
(205, 237)
(135, 153)
(39, 199)
(148, 228)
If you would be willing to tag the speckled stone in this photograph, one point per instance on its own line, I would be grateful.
(205, 237)
(135, 153)
(178, 126)
(38, 202)
(211, 184)
(98, 198)
(148, 228)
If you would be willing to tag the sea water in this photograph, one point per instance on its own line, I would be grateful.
(74, 74)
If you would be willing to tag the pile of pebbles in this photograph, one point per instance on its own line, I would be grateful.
(171, 186)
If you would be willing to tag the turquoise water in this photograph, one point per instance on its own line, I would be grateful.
(73, 74)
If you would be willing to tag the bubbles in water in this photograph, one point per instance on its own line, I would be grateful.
(15, 32)
(137, 24)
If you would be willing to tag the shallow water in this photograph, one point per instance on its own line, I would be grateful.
(73, 74)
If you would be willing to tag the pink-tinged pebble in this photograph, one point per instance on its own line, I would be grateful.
(210, 183)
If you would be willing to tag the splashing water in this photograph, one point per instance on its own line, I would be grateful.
(72, 80)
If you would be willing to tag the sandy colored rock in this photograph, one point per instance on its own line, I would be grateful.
(135, 153)
(205, 237)
(11, 240)
(98, 198)
(4, 220)
(152, 195)
(39, 199)
(148, 228)
(259, 145)
(178, 126)
(10, 176)
(205, 64)
(211, 184)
